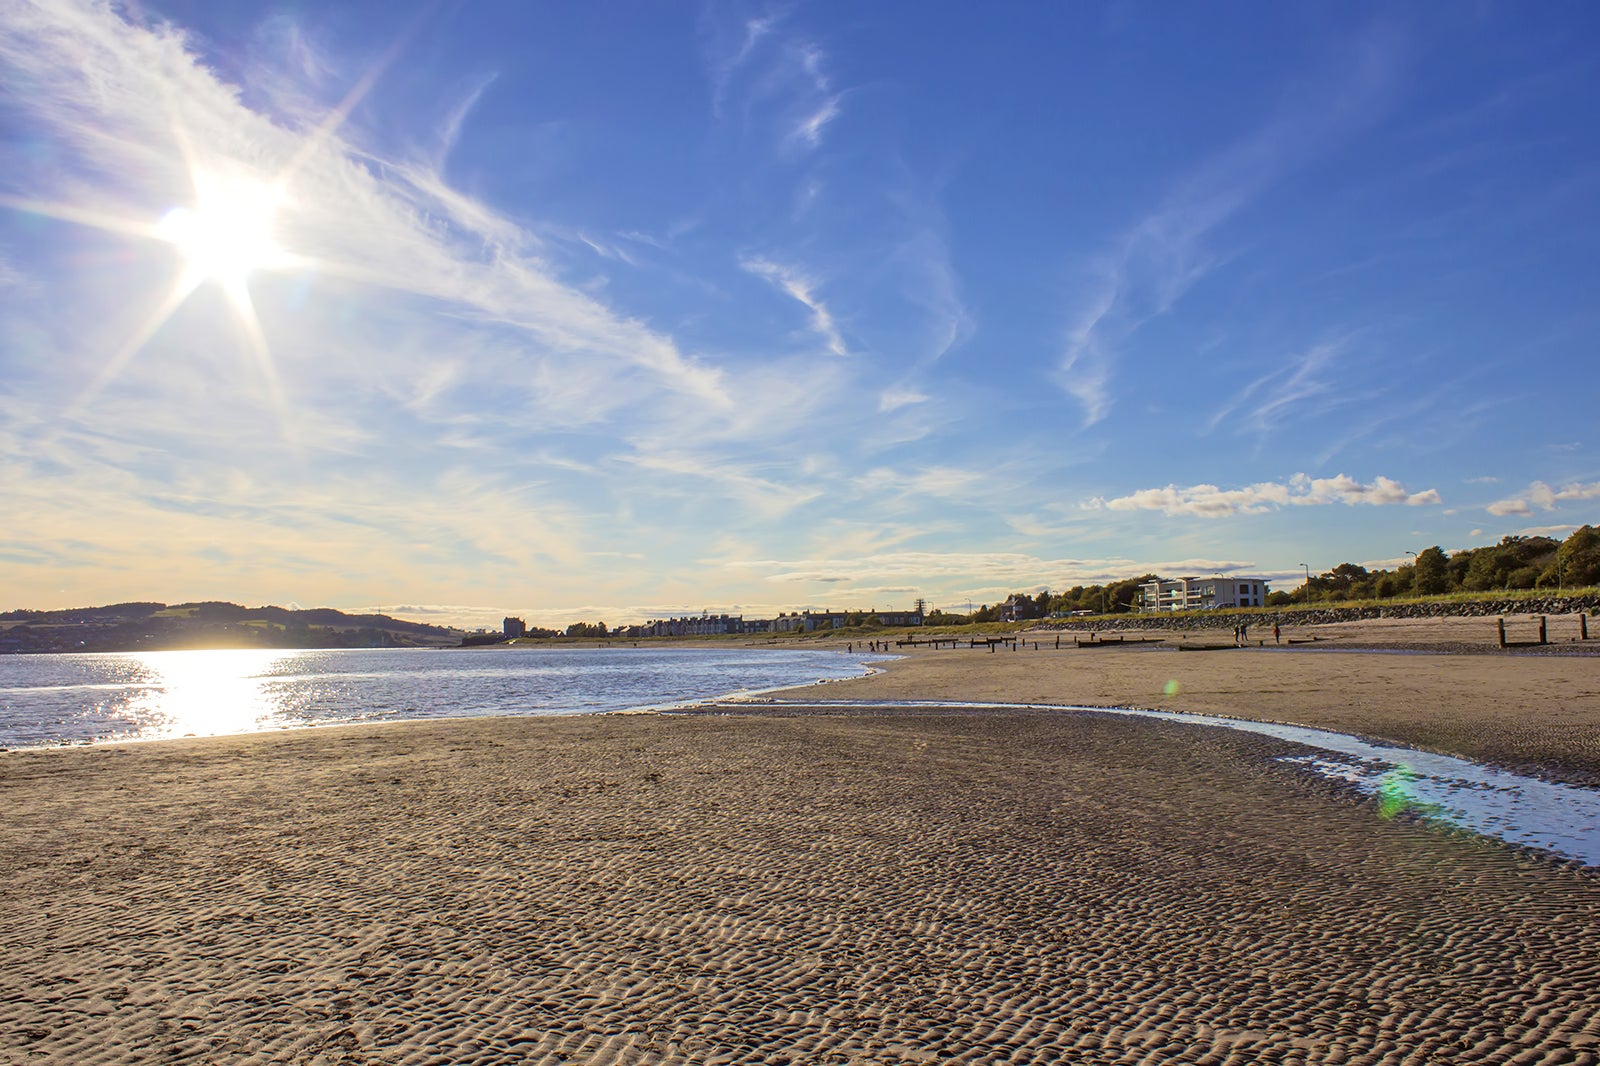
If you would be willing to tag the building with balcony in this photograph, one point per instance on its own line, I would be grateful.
(1202, 593)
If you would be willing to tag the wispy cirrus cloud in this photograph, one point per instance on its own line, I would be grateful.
(748, 484)
(1274, 396)
(1163, 255)
(774, 68)
(1211, 501)
(894, 398)
(1540, 495)
(731, 46)
(802, 288)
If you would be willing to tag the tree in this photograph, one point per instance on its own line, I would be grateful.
(1579, 558)
(1430, 576)
(1486, 569)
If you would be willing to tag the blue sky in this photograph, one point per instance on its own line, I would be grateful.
(623, 310)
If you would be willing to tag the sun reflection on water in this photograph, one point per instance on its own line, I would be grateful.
(204, 693)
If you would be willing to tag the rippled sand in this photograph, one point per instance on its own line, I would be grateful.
(770, 887)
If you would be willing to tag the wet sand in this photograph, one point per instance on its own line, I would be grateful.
(1437, 684)
(791, 885)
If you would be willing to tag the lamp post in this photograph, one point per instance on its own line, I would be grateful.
(1414, 574)
(1308, 583)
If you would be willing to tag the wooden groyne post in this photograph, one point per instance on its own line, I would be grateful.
(1583, 625)
(1500, 624)
(1542, 639)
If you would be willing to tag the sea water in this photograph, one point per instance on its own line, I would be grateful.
(89, 698)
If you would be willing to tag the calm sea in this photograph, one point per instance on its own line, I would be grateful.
(65, 699)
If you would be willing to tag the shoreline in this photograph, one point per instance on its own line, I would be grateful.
(762, 884)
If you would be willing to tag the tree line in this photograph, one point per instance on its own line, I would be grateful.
(1515, 563)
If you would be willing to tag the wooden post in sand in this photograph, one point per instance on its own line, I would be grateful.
(1500, 624)
(1541, 630)
(1583, 626)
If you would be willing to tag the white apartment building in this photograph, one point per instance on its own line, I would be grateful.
(1202, 593)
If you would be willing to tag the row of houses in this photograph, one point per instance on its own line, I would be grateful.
(706, 625)
(787, 622)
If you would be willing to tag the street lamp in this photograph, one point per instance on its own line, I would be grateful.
(1415, 576)
(1308, 583)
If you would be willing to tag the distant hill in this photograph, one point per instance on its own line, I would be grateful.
(159, 626)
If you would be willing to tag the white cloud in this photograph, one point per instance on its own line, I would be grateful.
(1210, 501)
(1540, 495)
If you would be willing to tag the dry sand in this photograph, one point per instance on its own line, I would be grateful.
(793, 886)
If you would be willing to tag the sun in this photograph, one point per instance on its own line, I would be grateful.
(229, 232)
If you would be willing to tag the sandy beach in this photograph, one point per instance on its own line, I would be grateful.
(790, 885)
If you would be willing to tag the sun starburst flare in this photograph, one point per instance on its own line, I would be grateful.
(227, 233)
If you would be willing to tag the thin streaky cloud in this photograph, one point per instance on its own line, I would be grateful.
(1163, 255)
(1271, 398)
(358, 92)
(811, 127)
(450, 128)
(754, 31)
(896, 398)
(803, 289)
